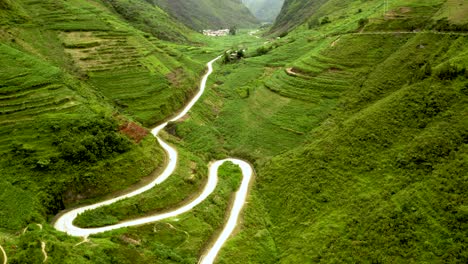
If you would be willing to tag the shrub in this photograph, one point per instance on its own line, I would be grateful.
(313, 23)
(263, 50)
(464, 89)
(91, 141)
(424, 72)
(445, 25)
(362, 22)
(325, 20)
(450, 71)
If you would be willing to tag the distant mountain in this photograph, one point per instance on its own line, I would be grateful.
(264, 10)
(203, 14)
(295, 12)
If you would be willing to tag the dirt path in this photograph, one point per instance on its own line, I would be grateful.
(5, 258)
(44, 252)
(407, 32)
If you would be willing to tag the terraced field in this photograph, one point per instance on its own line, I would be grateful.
(72, 67)
(30, 90)
(142, 75)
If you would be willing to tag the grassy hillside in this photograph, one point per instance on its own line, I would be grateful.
(294, 13)
(78, 84)
(396, 15)
(264, 10)
(369, 184)
(209, 14)
(381, 176)
(81, 81)
(355, 122)
(151, 19)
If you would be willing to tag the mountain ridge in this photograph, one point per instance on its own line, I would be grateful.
(209, 14)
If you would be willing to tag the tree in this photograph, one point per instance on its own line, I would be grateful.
(233, 30)
(240, 54)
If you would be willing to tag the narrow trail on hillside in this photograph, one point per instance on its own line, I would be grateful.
(64, 221)
(44, 252)
(5, 258)
(407, 32)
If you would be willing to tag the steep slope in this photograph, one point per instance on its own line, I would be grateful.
(355, 122)
(294, 13)
(382, 177)
(151, 19)
(264, 10)
(384, 172)
(393, 15)
(76, 84)
(211, 14)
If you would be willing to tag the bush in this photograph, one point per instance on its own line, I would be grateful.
(313, 23)
(91, 141)
(263, 50)
(424, 72)
(325, 20)
(362, 22)
(449, 71)
(464, 90)
(445, 25)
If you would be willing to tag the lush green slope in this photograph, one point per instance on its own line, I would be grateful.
(294, 13)
(382, 178)
(78, 83)
(264, 10)
(209, 14)
(395, 15)
(76, 79)
(356, 125)
(151, 19)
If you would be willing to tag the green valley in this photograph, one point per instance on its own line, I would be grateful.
(353, 115)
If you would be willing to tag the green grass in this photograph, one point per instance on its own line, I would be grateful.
(373, 167)
(358, 141)
(209, 14)
(185, 184)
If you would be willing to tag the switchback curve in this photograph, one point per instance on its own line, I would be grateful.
(65, 221)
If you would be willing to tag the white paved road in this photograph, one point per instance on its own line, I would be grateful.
(65, 221)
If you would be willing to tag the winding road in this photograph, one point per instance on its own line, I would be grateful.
(65, 221)
(5, 258)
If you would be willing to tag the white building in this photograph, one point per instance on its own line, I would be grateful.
(216, 33)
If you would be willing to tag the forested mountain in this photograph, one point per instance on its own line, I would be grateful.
(209, 14)
(264, 10)
(294, 13)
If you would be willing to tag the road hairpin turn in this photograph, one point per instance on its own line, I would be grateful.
(65, 221)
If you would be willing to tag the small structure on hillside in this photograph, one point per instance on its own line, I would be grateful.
(216, 33)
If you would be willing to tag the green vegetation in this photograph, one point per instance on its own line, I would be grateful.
(264, 10)
(151, 19)
(208, 14)
(355, 121)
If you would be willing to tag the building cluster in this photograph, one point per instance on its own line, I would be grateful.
(216, 33)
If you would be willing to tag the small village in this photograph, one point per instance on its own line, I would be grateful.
(216, 33)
